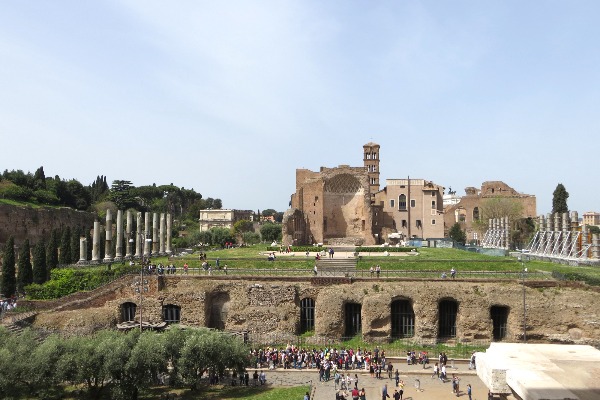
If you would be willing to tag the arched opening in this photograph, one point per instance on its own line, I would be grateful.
(448, 310)
(218, 307)
(128, 311)
(171, 313)
(476, 214)
(402, 202)
(403, 319)
(499, 315)
(307, 315)
(352, 319)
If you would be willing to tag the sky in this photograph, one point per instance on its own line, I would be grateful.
(231, 97)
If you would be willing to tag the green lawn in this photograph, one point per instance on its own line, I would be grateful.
(228, 392)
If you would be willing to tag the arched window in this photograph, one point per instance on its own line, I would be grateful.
(128, 311)
(476, 214)
(403, 319)
(307, 315)
(352, 319)
(499, 315)
(402, 202)
(171, 313)
(448, 310)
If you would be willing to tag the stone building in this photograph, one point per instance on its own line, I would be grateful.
(591, 218)
(469, 209)
(222, 218)
(424, 310)
(344, 205)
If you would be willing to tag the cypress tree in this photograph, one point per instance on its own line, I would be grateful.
(102, 243)
(90, 244)
(39, 263)
(64, 257)
(75, 244)
(51, 254)
(559, 199)
(9, 281)
(25, 273)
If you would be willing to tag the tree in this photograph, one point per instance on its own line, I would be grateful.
(268, 212)
(39, 263)
(9, 281)
(120, 194)
(89, 243)
(217, 204)
(65, 247)
(559, 199)
(251, 237)
(271, 232)
(242, 226)
(75, 236)
(594, 230)
(51, 254)
(25, 274)
(220, 236)
(457, 234)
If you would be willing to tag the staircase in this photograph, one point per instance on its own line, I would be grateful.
(338, 267)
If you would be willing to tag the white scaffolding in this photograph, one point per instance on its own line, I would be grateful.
(495, 238)
(558, 244)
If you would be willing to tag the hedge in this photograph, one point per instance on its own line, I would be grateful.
(384, 249)
(64, 281)
(302, 249)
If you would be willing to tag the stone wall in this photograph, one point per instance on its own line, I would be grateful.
(37, 223)
(565, 314)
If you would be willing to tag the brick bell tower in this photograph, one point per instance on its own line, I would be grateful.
(371, 161)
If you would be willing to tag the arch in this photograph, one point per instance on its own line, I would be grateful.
(403, 319)
(128, 311)
(307, 315)
(499, 316)
(171, 313)
(352, 319)
(447, 313)
(476, 214)
(218, 307)
(402, 202)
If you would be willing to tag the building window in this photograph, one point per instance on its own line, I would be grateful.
(402, 202)
(476, 214)
(432, 194)
(352, 319)
(433, 204)
(419, 224)
(448, 309)
(307, 315)
(413, 203)
(433, 222)
(128, 311)
(171, 313)
(392, 203)
(404, 224)
(403, 319)
(499, 315)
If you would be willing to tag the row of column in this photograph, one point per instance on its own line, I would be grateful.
(155, 242)
(502, 228)
(565, 222)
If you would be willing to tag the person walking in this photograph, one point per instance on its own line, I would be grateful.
(469, 391)
(384, 392)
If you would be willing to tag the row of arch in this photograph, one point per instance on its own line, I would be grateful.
(403, 318)
(171, 313)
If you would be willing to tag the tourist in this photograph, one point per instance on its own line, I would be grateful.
(469, 391)
(355, 394)
(443, 373)
(255, 378)
(185, 268)
(362, 395)
(225, 269)
(472, 361)
(396, 395)
(263, 378)
(397, 376)
(384, 392)
(307, 396)
(331, 252)
(372, 270)
(436, 371)
(315, 270)
(452, 273)
(378, 270)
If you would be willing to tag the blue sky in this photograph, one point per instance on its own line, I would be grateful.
(230, 97)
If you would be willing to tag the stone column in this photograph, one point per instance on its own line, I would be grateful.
(549, 223)
(161, 248)
(169, 230)
(119, 244)
(128, 237)
(584, 240)
(595, 246)
(139, 233)
(108, 257)
(557, 220)
(82, 250)
(96, 243)
(154, 234)
(542, 223)
(146, 235)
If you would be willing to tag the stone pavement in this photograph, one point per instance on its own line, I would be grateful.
(428, 387)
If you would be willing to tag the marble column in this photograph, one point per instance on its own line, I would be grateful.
(128, 238)
(119, 244)
(169, 230)
(146, 235)
(82, 250)
(108, 256)
(549, 223)
(595, 246)
(584, 240)
(557, 220)
(154, 234)
(96, 243)
(161, 247)
(139, 234)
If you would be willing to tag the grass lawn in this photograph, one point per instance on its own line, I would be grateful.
(229, 392)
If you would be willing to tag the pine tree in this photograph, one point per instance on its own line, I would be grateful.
(9, 281)
(39, 263)
(65, 247)
(559, 199)
(25, 273)
(51, 254)
(457, 234)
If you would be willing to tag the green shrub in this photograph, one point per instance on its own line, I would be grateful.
(384, 249)
(301, 249)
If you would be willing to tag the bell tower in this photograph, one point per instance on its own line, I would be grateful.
(371, 162)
